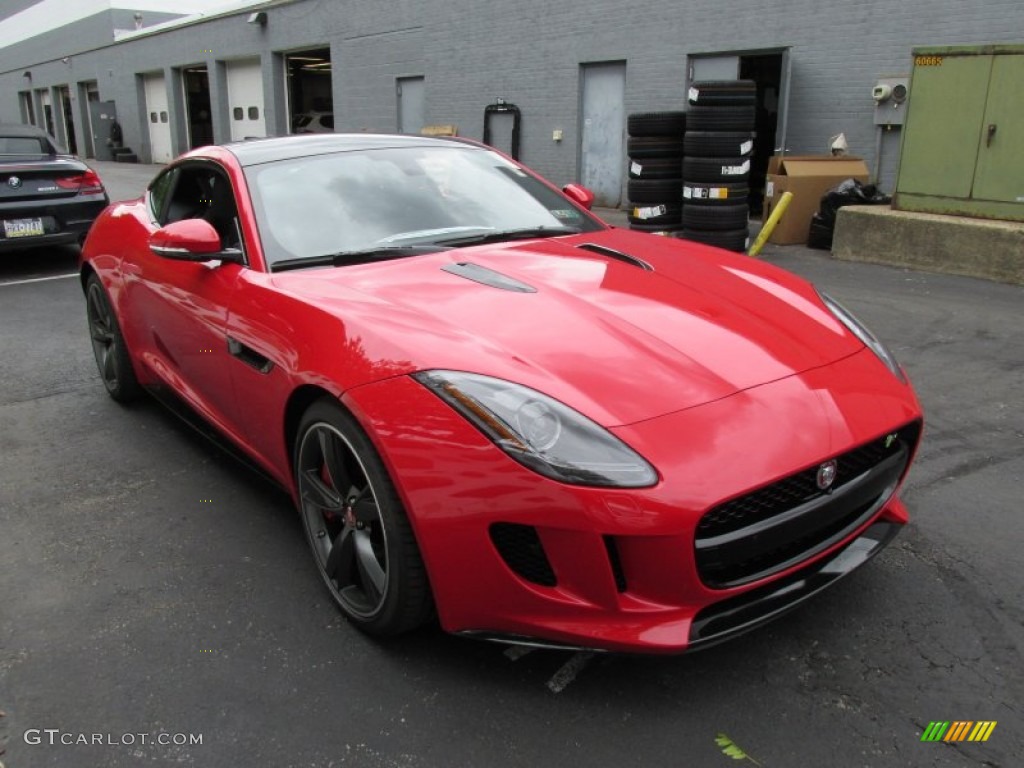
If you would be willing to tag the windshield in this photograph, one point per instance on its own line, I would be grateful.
(347, 202)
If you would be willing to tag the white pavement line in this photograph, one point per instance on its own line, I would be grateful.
(516, 652)
(37, 279)
(569, 670)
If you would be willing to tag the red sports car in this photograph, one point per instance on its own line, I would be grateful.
(491, 407)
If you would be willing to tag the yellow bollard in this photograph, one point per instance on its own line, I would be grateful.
(769, 226)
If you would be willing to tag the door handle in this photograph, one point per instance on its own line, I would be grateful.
(991, 133)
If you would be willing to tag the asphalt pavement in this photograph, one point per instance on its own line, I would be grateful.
(155, 594)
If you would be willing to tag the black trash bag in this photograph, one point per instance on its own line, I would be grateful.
(820, 234)
(848, 192)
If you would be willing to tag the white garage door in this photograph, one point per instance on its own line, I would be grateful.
(245, 99)
(157, 118)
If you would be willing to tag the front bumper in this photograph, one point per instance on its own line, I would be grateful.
(622, 564)
(729, 618)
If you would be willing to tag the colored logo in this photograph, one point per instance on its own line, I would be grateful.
(958, 730)
(14, 182)
(826, 475)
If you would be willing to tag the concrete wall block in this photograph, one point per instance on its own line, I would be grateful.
(993, 250)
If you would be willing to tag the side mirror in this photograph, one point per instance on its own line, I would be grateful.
(191, 240)
(579, 194)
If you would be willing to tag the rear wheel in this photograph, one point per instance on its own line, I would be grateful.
(362, 543)
(108, 345)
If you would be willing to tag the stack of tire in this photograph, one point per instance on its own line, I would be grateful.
(716, 164)
(655, 186)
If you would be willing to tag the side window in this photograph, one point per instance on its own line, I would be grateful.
(203, 192)
(158, 193)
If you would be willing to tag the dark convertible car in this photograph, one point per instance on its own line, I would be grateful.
(47, 197)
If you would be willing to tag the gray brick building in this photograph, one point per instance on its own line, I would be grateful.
(264, 68)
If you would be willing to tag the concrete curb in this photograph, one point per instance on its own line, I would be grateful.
(954, 245)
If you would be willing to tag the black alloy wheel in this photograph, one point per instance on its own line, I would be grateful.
(362, 542)
(108, 345)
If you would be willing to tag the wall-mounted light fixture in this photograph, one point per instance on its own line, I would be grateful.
(260, 17)
(27, 74)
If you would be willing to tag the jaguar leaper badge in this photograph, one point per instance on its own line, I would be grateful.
(826, 475)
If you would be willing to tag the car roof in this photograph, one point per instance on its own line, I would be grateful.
(22, 129)
(269, 150)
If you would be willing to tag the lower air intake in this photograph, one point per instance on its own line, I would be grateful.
(521, 549)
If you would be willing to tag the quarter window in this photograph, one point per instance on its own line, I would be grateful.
(158, 193)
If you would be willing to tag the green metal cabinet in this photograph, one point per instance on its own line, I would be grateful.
(963, 141)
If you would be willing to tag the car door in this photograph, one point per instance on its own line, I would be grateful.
(180, 308)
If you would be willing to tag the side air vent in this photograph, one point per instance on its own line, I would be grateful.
(615, 562)
(486, 276)
(521, 549)
(611, 253)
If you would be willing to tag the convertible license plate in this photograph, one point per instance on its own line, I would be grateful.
(23, 228)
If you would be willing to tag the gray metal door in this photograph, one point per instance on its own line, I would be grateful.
(411, 97)
(602, 124)
(103, 114)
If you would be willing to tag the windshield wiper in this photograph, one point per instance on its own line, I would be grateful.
(345, 258)
(509, 234)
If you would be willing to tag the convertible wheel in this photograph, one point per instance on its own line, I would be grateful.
(362, 542)
(108, 344)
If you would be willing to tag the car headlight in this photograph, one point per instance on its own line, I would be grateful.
(540, 432)
(858, 329)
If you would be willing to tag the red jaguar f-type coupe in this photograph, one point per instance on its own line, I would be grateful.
(492, 408)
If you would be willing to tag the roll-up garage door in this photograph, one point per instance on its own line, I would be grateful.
(245, 99)
(157, 118)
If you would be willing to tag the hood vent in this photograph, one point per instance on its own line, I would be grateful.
(617, 255)
(486, 276)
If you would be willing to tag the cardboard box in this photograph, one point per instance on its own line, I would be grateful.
(808, 177)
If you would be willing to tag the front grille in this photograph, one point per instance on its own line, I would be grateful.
(521, 549)
(778, 525)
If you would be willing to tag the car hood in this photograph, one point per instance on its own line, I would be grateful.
(597, 331)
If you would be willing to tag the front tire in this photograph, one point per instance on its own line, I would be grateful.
(108, 345)
(363, 545)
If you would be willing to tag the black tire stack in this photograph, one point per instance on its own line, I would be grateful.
(655, 186)
(716, 164)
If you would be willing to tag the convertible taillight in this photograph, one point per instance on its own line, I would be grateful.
(87, 183)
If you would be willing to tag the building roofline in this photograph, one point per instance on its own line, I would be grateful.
(158, 29)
